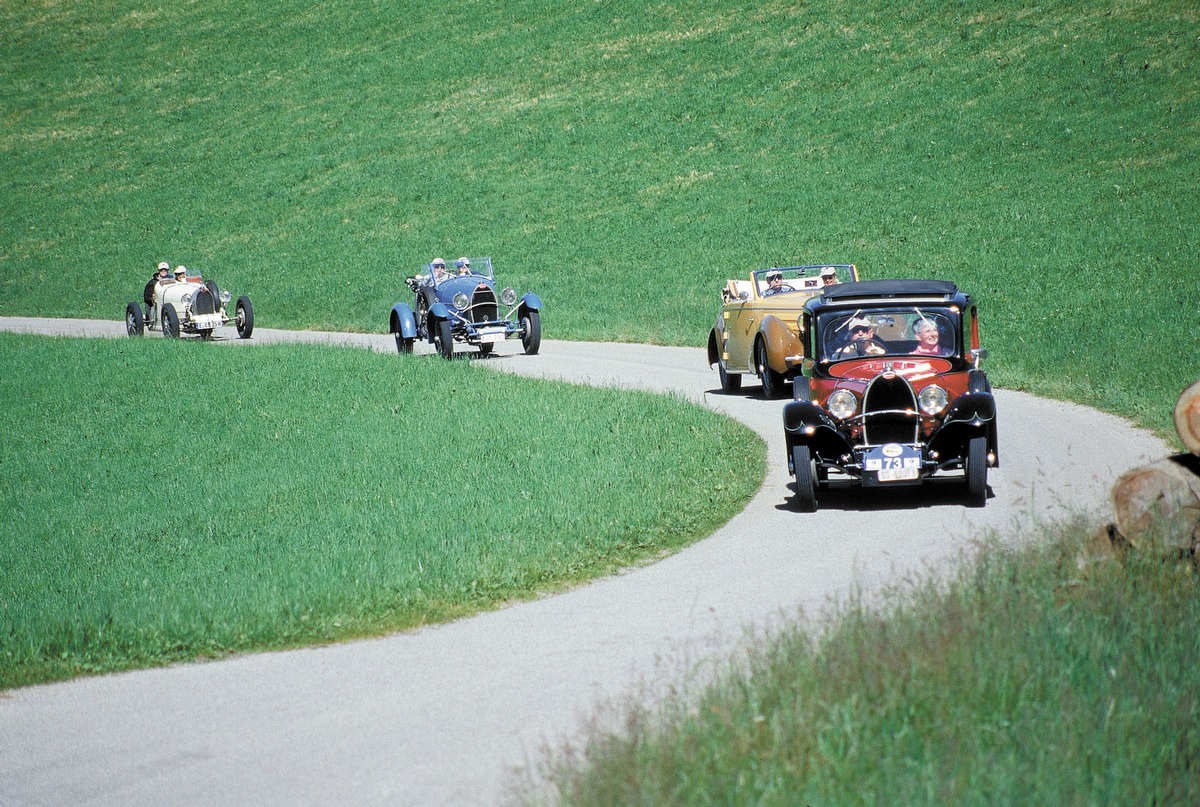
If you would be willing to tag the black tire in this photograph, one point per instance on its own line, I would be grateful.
(772, 382)
(485, 348)
(806, 479)
(531, 332)
(976, 471)
(404, 346)
(135, 324)
(211, 285)
(170, 322)
(444, 338)
(243, 318)
(730, 382)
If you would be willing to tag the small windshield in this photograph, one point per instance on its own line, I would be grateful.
(810, 279)
(887, 331)
(476, 267)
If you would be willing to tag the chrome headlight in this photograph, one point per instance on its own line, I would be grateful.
(462, 301)
(226, 296)
(932, 399)
(842, 404)
(186, 299)
(508, 296)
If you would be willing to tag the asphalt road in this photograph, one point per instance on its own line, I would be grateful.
(443, 715)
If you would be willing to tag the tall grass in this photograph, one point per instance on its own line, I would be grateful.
(622, 159)
(164, 501)
(1018, 681)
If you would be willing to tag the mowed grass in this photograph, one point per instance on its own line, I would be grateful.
(165, 501)
(1019, 680)
(622, 160)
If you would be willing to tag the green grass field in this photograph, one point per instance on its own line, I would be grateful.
(199, 501)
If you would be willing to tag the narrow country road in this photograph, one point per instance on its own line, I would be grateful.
(440, 716)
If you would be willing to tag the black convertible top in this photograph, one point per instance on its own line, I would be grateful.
(889, 288)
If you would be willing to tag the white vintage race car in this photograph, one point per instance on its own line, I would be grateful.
(192, 306)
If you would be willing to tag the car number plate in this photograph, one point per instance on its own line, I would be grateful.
(893, 463)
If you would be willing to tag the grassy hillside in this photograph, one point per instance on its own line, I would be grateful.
(622, 159)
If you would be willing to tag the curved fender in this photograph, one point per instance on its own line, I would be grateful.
(807, 423)
(439, 310)
(531, 302)
(973, 413)
(973, 408)
(714, 351)
(402, 321)
(780, 343)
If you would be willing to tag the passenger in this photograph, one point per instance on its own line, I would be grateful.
(463, 265)
(162, 273)
(926, 331)
(181, 274)
(829, 276)
(439, 270)
(862, 340)
(774, 283)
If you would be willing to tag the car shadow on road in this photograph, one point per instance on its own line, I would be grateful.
(841, 494)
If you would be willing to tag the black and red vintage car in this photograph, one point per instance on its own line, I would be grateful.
(890, 391)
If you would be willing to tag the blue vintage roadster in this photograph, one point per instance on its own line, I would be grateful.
(460, 304)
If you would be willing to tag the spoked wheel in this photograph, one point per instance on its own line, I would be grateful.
(444, 338)
(531, 332)
(730, 382)
(170, 322)
(976, 472)
(772, 382)
(244, 317)
(135, 325)
(806, 479)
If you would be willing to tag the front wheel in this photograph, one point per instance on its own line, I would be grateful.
(976, 472)
(444, 338)
(170, 322)
(531, 332)
(772, 382)
(134, 324)
(244, 317)
(806, 479)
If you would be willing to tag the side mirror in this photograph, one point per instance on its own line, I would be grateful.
(744, 296)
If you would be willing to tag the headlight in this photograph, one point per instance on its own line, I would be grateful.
(842, 404)
(508, 296)
(932, 399)
(186, 299)
(461, 301)
(226, 296)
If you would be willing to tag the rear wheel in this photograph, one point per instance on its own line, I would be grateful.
(444, 338)
(170, 322)
(134, 324)
(806, 479)
(531, 332)
(772, 382)
(244, 317)
(976, 472)
(730, 382)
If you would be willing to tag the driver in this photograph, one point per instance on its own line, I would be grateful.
(862, 340)
(439, 269)
(181, 274)
(774, 283)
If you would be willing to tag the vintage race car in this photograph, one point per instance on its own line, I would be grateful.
(189, 306)
(461, 305)
(891, 391)
(756, 332)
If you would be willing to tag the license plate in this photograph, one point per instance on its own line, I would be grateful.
(893, 463)
(491, 338)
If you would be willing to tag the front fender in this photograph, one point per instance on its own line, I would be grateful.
(402, 321)
(780, 343)
(806, 423)
(439, 310)
(530, 302)
(972, 414)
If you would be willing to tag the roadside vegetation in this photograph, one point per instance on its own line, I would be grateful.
(1020, 679)
(167, 501)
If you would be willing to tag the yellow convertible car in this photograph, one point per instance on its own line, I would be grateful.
(757, 333)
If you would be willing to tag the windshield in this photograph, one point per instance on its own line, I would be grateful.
(887, 331)
(475, 267)
(785, 280)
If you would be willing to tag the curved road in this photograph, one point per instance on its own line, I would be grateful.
(443, 715)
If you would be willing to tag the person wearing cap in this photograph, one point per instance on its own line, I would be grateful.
(439, 269)
(926, 331)
(463, 265)
(163, 272)
(181, 274)
(862, 340)
(829, 276)
(774, 283)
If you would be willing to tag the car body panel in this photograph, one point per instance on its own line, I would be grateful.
(753, 322)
